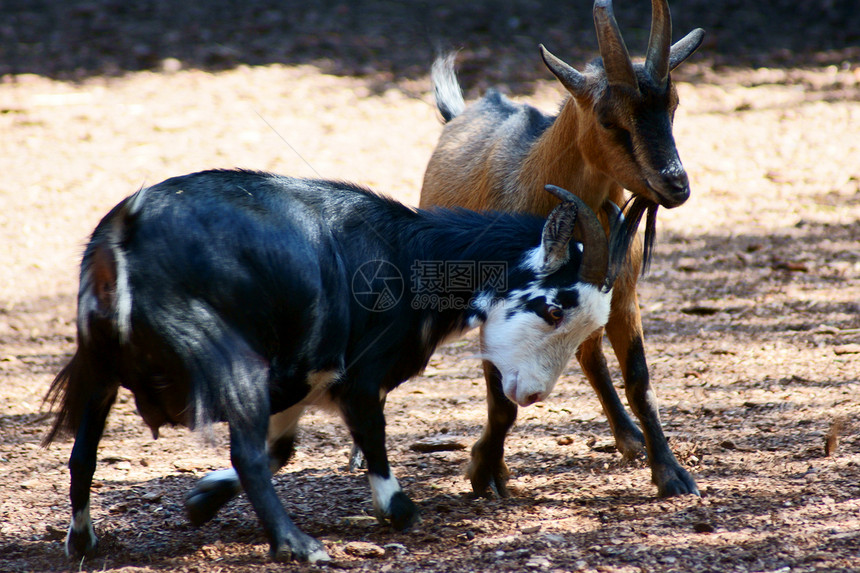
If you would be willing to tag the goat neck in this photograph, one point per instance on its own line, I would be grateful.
(571, 169)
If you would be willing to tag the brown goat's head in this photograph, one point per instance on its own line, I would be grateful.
(626, 127)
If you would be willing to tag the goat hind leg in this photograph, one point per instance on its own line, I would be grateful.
(81, 538)
(217, 488)
(487, 469)
(249, 457)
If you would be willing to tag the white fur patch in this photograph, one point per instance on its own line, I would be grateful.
(123, 288)
(531, 354)
(535, 259)
(81, 522)
(213, 480)
(123, 296)
(87, 304)
(383, 489)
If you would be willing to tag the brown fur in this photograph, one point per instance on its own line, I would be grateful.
(610, 134)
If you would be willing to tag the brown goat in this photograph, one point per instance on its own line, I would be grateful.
(613, 132)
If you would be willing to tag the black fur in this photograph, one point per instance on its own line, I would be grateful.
(619, 242)
(240, 291)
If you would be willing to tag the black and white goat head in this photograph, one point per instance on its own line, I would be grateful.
(235, 296)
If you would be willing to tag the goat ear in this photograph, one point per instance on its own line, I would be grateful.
(557, 232)
(571, 79)
(684, 48)
(586, 231)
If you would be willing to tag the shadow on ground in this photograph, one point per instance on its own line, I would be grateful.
(398, 40)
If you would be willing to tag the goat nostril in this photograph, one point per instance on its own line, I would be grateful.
(532, 398)
(680, 182)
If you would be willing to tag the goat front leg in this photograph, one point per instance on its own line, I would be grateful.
(625, 334)
(217, 488)
(629, 441)
(366, 421)
(81, 539)
(251, 461)
(487, 469)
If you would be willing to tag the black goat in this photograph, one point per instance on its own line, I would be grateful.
(234, 295)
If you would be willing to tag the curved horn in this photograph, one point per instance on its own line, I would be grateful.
(589, 232)
(616, 59)
(684, 47)
(657, 56)
(566, 74)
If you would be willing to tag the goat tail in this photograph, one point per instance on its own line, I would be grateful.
(90, 379)
(449, 96)
(103, 324)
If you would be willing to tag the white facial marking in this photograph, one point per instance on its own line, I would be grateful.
(383, 489)
(531, 354)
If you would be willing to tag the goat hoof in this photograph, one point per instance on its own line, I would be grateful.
(495, 486)
(676, 481)
(402, 512)
(499, 488)
(81, 543)
(209, 495)
(489, 482)
(631, 447)
(202, 506)
(306, 549)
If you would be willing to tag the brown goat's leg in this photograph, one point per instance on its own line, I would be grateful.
(625, 333)
(487, 470)
(628, 439)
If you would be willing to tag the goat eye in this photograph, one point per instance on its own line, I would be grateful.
(554, 314)
(613, 127)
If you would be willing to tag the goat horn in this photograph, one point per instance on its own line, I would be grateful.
(657, 56)
(683, 48)
(566, 74)
(616, 59)
(589, 232)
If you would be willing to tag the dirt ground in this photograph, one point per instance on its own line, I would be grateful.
(751, 307)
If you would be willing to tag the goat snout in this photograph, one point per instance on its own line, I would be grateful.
(673, 188)
(523, 393)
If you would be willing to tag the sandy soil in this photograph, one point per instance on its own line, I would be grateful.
(751, 310)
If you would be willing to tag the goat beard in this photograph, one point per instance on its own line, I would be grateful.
(633, 210)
